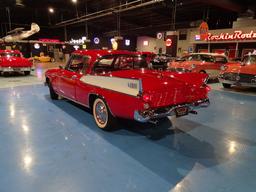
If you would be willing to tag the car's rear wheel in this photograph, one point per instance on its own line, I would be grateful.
(53, 94)
(27, 73)
(225, 85)
(102, 116)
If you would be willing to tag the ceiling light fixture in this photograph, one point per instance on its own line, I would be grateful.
(74, 1)
(51, 10)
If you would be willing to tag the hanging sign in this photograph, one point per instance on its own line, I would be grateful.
(127, 42)
(96, 40)
(36, 46)
(114, 44)
(203, 30)
(81, 41)
(168, 42)
(159, 35)
(236, 35)
(50, 40)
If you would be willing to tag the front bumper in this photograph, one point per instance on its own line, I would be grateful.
(238, 83)
(15, 69)
(171, 112)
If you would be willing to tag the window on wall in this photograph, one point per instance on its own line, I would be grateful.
(183, 35)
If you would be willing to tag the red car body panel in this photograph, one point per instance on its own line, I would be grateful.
(238, 68)
(162, 88)
(13, 59)
(211, 68)
(241, 74)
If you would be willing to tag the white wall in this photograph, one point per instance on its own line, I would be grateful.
(153, 46)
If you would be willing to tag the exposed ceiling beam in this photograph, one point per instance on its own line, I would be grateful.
(106, 12)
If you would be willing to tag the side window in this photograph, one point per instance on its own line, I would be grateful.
(104, 64)
(124, 62)
(222, 60)
(196, 57)
(207, 58)
(78, 63)
(140, 62)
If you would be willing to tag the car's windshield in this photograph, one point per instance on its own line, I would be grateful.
(200, 57)
(10, 55)
(249, 60)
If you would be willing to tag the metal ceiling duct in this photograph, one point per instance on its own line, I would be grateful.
(106, 12)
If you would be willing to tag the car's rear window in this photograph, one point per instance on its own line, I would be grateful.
(120, 62)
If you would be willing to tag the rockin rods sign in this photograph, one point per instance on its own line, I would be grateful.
(236, 35)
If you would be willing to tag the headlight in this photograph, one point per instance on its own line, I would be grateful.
(223, 67)
(193, 66)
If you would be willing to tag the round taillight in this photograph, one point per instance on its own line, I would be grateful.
(145, 97)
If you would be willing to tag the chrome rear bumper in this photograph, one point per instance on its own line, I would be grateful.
(14, 69)
(171, 112)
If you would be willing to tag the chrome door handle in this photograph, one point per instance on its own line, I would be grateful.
(74, 77)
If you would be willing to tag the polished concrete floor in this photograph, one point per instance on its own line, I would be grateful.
(54, 146)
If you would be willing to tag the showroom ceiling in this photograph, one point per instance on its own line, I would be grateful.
(147, 19)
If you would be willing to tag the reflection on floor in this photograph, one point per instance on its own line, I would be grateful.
(51, 146)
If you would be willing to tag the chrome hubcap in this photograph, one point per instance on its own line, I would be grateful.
(101, 113)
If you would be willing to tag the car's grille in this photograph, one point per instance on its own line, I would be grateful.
(239, 77)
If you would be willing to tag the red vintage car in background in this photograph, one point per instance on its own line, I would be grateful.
(13, 61)
(240, 74)
(209, 63)
(116, 84)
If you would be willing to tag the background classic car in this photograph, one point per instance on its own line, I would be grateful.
(240, 74)
(209, 63)
(113, 84)
(13, 61)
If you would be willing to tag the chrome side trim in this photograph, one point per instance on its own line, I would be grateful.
(65, 97)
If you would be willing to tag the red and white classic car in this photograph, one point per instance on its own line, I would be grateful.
(209, 63)
(115, 84)
(240, 74)
(13, 61)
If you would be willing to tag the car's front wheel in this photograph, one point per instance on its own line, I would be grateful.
(53, 94)
(102, 116)
(225, 85)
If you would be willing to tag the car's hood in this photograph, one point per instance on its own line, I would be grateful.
(238, 68)
(15, 62)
